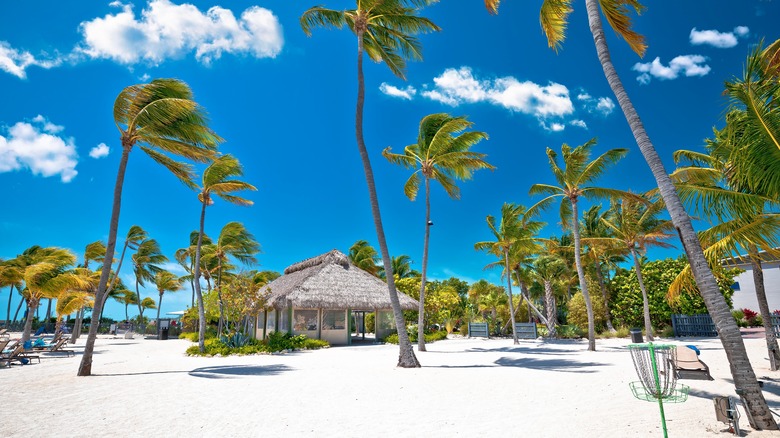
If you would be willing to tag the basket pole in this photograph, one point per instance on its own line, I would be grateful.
(658, 387)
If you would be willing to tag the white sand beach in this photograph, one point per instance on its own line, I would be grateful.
(466, 387)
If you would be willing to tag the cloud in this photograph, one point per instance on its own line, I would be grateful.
(35, 146)
(99, 151)
(579, 123)
(689, 65)
(15, 62)
(600, 105)
(167, 30)
(174, 268)
(455, 87)
(721, 40)
(403, 93)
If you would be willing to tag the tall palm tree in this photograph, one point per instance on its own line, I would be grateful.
(596, 250)
(146, 261)
(127, 298)
(10, 275)
(554, 19)
(146, 303)
(572, 179)
(160, 118)
(186, 258)
(217, 181)
(135, 235)
(94, 251)
(442, 153)
(637, 226)
(548, 269)
(364, 256)
(508, 233)
(165, 281)
(385, 31)
(234, 241)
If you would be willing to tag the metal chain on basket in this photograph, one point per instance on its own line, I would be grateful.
(665, 357)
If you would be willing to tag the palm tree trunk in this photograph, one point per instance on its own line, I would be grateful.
(18, 308)
(605, 296)
(645, 300)
(526, 295)
(196, 279)
(763, 307)
(159, 304)
(406, 356)
(127, 317)
(421, 316)
(48, 314)
(744, 377)
(219, 297)
(76, 332)
(85, 367)
(509, 290)
(549, 302)
(112, 282)
(140, 309)
(8, 312)
(31, 308)
(575, 226)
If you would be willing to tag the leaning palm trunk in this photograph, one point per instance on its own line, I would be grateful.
(19, 308)
(645, 300)
(509, 290)
(76, 332)
(85, 368)
(549, 302)
(406, 357)
(140, 310)
(222, 325)
(744, 377)
(421, 315)
(198, 294)
(581, 275)
(31, 308)
(159, 305)
(605, 296)
(763, 307)
(8, 312)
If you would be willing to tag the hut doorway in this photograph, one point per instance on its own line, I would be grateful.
(358, 333)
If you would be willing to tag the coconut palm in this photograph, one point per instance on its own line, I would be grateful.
(385, 31)
(237, 242)
(402, 268)
(127, 298)
(160, 118)
(508, 233)
(146, 303)
(10, 275)
(165, 281)
(554, 20)
(548, 269)
(637, 226)
(364, 256)
(442, 153)
(135, 235)
(186, 258)
(94, 251)
(217, 181)
(146, 261)
(593, 232)
(578, 171)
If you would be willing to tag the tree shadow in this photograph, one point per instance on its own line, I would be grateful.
(560, 365)
(228, 372)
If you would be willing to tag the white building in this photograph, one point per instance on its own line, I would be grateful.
(745, 288)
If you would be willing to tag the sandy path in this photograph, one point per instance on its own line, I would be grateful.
(465, 388)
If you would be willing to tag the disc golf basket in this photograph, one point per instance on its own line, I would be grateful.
(654, 365)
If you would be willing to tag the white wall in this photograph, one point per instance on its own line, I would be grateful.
(745, 297)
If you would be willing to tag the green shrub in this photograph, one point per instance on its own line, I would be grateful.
(667, 332)
(429, 337)
(578, 314)
(314, 344)
(229, 345)
(738, 314)
(190, 336)
(236, 340)
(370, 322)
(756, 321)
(278, 341)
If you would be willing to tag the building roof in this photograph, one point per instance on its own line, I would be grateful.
(744, 260)
(331, 281)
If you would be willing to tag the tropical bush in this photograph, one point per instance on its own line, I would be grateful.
(578, 314)
(564, 331)
(429, 337)
(240, 344)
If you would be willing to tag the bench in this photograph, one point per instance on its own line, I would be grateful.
(478, 330)
(526, 330)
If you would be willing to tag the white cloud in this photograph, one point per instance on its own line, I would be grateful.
(689, 65)
(721, 40)
(167, 30)
(403, 93)
(174, 268)
(36, 147)
(605, 105)
(579, 123)
(145, 77)
(454, 87)
(584, 96)
(15, 62)
(601, 105)
(99, 151)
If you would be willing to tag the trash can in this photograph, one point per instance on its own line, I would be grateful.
(164, 334)
(636, 336)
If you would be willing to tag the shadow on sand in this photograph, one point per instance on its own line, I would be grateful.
(560, 365)
(216, 372)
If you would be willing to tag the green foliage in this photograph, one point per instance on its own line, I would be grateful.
(240, 344)
(563, 331)
(314, 344)
(667, 332)
(429, 337)
(578, 314)
(370, 322)
(190, 336)
(658, 275)
(215, 346)
(236, 340)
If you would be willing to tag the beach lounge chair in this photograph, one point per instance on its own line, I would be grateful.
(688, 366)
(58, 347)
(4, 334)
(18, 355)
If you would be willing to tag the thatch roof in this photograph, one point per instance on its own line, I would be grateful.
(331, 281)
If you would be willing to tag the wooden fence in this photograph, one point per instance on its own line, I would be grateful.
(478, 330)
(702, 325)
(526, 330)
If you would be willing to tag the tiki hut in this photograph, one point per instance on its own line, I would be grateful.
(319, 296)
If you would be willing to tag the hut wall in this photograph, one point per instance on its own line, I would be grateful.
(334, 327)
(260, 328)
(306, 322)
(384, 324)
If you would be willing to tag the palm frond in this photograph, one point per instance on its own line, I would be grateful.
(554, 18)
(617, 14)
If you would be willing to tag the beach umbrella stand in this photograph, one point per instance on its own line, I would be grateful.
(654, 364)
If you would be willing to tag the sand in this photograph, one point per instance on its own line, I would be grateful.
(466, 387)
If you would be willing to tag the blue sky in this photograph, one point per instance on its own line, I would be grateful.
(285, 105)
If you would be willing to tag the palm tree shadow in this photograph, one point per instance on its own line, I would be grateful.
(228, 372)
(559, 365)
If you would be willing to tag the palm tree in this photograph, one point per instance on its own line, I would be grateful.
(146, 261)
(554, 19)
(94, 251)
(127, 298)
(385, 30)
(572, 179)
(509, 233)
(548, 269)
(637, 226)
(234, 241)
(596, 250)
(364, 256)
(12, 276)
(162, 118)
(165, 281)
(186, 258)
(146, 303)
(135, 235)
(216, 182)
(442, 153)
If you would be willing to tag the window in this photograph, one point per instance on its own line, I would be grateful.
(385, 320)
(284, 320)
(270, 322)
(304, 320)
(735, 286)
(333, 319)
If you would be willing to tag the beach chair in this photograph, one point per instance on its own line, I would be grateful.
(59, 347)
(4, 334)
(688, 365)
(18, 355)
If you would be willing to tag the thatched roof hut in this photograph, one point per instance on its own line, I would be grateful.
(331, 281)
